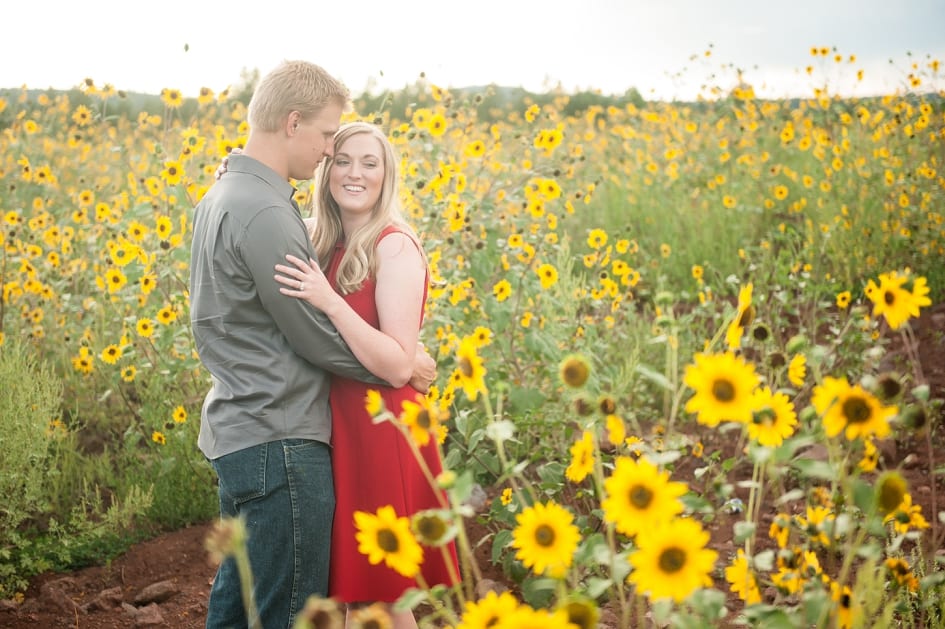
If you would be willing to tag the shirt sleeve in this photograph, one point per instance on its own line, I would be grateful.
(273, 233)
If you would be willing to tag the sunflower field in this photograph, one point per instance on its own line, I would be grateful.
(678, 373)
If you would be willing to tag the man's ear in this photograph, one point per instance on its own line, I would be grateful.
(292, 122)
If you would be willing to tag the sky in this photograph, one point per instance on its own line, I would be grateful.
(655, 46)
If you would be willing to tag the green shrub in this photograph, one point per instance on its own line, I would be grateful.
(29, 400)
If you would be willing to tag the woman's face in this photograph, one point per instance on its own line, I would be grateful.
(357, 174)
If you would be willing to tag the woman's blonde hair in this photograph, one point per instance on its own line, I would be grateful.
(294, 86)
(359, 261)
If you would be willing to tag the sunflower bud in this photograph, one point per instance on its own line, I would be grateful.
(574, 371)
(796, 343)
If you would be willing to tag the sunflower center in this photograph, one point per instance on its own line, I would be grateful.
(672, 559)
(723, 390)
(640, 496)
(889, 297)
(388, 541)
(747, 316)
(465, 367)
(431, 528)
(856, 410)
(423, 419)
(545, 536)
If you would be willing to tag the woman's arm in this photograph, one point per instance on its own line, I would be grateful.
(391, 351)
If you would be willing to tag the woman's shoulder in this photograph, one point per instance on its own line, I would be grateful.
(392, 241)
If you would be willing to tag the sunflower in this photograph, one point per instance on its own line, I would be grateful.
(374, 403)
(906, 516)
(488, 611)
(320, 613)
(582, 458)
(172, 98)
(582, 612)
(470, 373)
(421, 417)
(893, 301)
(172, 172)
(524, 617)
(373, 616)
(743, 318)
(180, 414)
(671, 561)
(797, 370)
(870, 458)
(574, 370)
(546, 538)
(115, 280)
(548, 275)
(742, 579)
(145, 328)
(723, 385)
(502, 290)
(158, 437)
(166, 315)
(432, 527)
(639, 496)
(851, 409)
(616, 429)
(843, 299)
(773, 419)
(385, 537)
(83, 363)
(798, 567)
(902, 574)
(597, 238)
(846, 610)
(111, 354)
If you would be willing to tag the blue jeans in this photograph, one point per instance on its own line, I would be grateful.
(283, 490)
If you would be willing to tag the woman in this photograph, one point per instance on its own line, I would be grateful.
(373, 292)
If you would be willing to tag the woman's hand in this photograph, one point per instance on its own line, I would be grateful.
(221, 169)
(306, 281)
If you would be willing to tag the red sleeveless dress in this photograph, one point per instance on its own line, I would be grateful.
(373, 466)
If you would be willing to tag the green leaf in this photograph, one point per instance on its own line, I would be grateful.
(410, 599)
(499, 543)
(815, 469)
(654, 376)
(597, 587)
(538, 591)
(743, 530)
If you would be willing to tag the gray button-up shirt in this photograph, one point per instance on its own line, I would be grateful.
(268, 354)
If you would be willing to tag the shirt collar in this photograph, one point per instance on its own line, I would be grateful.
(240, 163)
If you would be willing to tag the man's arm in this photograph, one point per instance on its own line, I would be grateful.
(272, 234)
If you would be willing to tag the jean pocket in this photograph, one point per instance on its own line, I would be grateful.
(242, 474)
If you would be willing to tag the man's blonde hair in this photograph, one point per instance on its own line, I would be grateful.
(294, 86)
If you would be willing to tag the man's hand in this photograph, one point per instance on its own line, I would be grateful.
(424, 370)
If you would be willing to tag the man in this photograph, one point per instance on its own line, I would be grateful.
(265, 424)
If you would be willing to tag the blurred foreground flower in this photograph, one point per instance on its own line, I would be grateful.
(895, 303)
(851, 410)
(546, 539)
(671, 561)
(385, 537)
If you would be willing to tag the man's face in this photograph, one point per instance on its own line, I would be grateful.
(314, 141)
